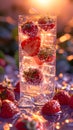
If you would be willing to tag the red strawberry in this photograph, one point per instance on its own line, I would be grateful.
(33, 76)
(50, 58)
(2, 62)
(26, 124)
(46, 54)
(8, 109)
(17, 87)
(38, 61)
(6, 93)
(1, 88)
(46, 23)
(71, 102)
(30, 29)
(51, 107)
(31, 46)
(63, 97)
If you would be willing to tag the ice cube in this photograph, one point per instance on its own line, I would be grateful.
(28, 62)
(48, 69)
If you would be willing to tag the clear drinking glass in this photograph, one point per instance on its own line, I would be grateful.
(37, 60)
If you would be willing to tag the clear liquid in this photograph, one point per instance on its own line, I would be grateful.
(32, 94)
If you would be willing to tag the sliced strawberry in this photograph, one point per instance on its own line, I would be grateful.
(8, 109)
(63, 97)
(46, 23)
(33, 76)
(30, 29)
(17, 87)
(51, 107)
(31, 46)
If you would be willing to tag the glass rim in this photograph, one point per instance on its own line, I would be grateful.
(40, 15)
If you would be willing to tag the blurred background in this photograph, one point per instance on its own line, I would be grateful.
(9, 11)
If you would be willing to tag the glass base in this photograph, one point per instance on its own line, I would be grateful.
(28, 100)
(34, 111)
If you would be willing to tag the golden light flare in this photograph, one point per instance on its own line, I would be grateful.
(37, 117)
(40, 3)
(69, 58)
(64, 37)
(48, 6)
(64, 87)
(61, 51)
(6, 127)
(67, 121)
(45, 6)
(56, 78)
(61, 75)
(72, 89)
(58, 127)
(43, 2)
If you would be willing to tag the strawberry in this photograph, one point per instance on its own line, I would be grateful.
(2, 62)
(46, 54)
(33, 76)
(31, 46)
(1, 88)
(8, 109)
(63, 97)
(6, 93)
(71, 102)
(26, 124)
(17, 87)
(37, 60)
(30, 29)
(46, 23)
(51, 107)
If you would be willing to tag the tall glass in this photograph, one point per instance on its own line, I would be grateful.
(37, 60)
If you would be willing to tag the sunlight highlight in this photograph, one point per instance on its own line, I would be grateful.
(43, 2)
